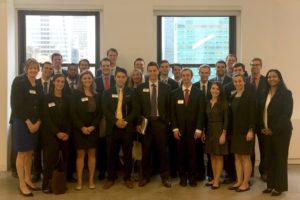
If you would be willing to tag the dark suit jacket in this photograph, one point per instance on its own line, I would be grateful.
(173, 84)
(56, 118)
(190, 117)
(208, 95)
(100, 84)
(13, 92)
(25, 99)
(130, 107)
(163, 100)
(65, 73)
(280, 110)
(226, 80)
(39, 82)
(79, 110)
(246, 111)
(229, 89)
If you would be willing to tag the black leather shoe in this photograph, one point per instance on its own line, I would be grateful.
(167, 183)
(143, 182)
(193, 183)
(242, 190)
(36, 178)
(266, 191)
(183, 182)
(275, 193)
(101, 176)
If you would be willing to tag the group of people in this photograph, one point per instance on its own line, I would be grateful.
(176, 122)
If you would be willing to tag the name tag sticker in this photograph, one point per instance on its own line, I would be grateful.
(52, 104)
(146, 90)
(180, 101)
(32, 92)
(114, 96)
(83, 99)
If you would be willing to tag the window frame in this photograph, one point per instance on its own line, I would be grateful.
(232, 36)
(22, 33)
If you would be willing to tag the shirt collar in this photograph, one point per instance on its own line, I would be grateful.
(184, 88)
(150, 83)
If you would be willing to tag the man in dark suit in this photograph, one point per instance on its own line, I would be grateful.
(57, 60)
(103, 83)
(46, 85)
(72, 77)
(221, 73)
(176, 70)
(164, 68)
(139, 64)
(112, 54)
(231, 59)
(120, 107)
(260, 83)
(204, 85)
(187, 119)
(154, 97)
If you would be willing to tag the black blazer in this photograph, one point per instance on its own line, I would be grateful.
(129, 107)
(39, 82)
(208, 95)
(64, 72)
(100, 84)
(56, 115)
(13, 92)
(79, 110)
(173, 84)
(280, 110)
(229, 89)
(25, 99)
(246, 111)
(163, 100)
(226, 80)
(190, 116)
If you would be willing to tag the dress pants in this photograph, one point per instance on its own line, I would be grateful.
(156, 138)
(119, 138)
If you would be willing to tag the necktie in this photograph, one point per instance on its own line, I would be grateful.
(45, 88)
(254, 81)
(186, 96)
(153, 101)
(72, 85)
(106, 83)
(204, 89)
(119, 114)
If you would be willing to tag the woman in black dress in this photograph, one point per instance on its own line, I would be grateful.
(276, 112)
(26, 99)
(242, 124)
(86, 114)
(215, 137)
(55, 129)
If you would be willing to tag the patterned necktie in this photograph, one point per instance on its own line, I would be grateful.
(204, 89)
(186, 96)
(119, 114)
(45, 87)
(153, 101)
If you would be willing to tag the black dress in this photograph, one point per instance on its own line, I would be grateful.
(239, 144)
(217, 121)
(86, 112)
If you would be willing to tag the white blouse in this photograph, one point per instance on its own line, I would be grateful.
(269, 97)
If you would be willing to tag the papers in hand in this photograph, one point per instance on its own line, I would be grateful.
(144, 125)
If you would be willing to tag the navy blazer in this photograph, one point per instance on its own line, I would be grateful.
(129, 107)
(163, 100)
(100, 84)
(190, 116)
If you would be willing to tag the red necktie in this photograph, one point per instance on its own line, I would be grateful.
(106, 83)
(186, 96)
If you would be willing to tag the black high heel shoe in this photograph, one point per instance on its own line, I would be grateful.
(30, 194)
(33, 188)
(275, 193)
(266, 191)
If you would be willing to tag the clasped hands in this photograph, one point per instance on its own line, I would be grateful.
(87, 130)
(121, 123)
(33, 127)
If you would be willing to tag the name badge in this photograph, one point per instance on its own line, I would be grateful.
(146, 90)
(32, 92)
(180, 101)
(52, 104)
(114, 96)
(83, 99)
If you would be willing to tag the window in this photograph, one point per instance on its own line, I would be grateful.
(73, 34)
(195, 40)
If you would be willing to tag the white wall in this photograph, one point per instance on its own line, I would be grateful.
(268, 29)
